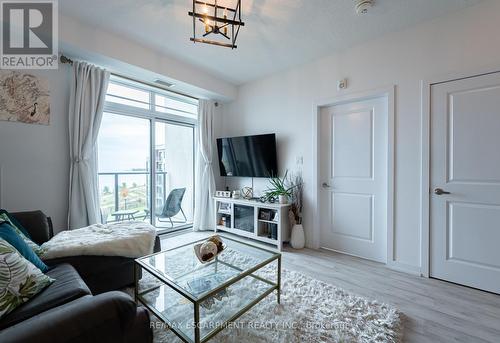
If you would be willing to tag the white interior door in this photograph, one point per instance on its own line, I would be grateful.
(353, 173)
(465, 161)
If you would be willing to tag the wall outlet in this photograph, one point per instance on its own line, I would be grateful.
(299, 160)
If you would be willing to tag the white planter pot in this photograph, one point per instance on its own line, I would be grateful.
(298, 239)
(283, 199)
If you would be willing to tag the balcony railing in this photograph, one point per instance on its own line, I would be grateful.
(129, 191)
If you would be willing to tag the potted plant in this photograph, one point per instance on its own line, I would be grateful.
(297, 240)
(279, 189)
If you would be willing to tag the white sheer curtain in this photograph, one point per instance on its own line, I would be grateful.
(204, 215)
(87, 95)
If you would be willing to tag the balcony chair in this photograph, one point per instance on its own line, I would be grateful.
(173, 205)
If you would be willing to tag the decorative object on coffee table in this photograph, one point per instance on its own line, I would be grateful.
(208, 250)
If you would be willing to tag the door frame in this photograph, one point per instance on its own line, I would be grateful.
(389, 93)
(425, 157)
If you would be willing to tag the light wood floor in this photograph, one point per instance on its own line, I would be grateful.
(434, 311)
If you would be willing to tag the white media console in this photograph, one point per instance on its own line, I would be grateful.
(264, 222)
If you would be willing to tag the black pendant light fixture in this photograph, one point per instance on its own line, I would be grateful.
(218, 22)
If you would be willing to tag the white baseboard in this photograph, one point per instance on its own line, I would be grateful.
(404, 268)
(353, 255)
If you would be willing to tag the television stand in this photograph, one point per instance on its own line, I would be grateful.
(260, 221)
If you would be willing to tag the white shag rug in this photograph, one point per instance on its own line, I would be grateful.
(310, 311)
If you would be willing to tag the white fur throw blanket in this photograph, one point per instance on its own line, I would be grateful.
(127, 239)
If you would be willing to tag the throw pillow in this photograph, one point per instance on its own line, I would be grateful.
(20, 280)
(8, 233)
(4, 216)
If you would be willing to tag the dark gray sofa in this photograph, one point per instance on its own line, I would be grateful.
(67, 310)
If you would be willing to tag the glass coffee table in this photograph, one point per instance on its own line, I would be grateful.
(197, 300)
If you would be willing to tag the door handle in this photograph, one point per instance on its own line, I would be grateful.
(440, 191)
(325, 185)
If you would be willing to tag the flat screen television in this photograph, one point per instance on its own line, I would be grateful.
(248, 156)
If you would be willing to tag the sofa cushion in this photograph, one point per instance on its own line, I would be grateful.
(38, 225)
(67, 287)
(21, 231)
(103, 273)
(112, 317)
(5, 215)
(8, 233)
(100, 273)
(20, 280)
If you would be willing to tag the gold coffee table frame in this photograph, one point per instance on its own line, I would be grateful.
(243, 273)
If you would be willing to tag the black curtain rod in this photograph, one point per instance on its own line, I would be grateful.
(66, 60)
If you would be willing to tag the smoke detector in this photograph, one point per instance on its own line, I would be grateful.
(362, 6)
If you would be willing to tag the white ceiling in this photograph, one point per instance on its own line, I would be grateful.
(277, 35)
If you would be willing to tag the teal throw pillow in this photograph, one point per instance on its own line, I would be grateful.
(8, 233)
(5, 216)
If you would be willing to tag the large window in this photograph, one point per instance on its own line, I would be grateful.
(146, 156)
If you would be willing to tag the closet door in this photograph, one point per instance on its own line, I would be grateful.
(465, 182)
(353, 172)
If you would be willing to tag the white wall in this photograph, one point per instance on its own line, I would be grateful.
(34, 159)
(466, 41)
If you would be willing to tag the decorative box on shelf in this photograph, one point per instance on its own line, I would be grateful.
(223, 194)
(264, 222)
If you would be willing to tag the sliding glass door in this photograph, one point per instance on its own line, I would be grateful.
(174, 190)
(124, 167)
(146, 157)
